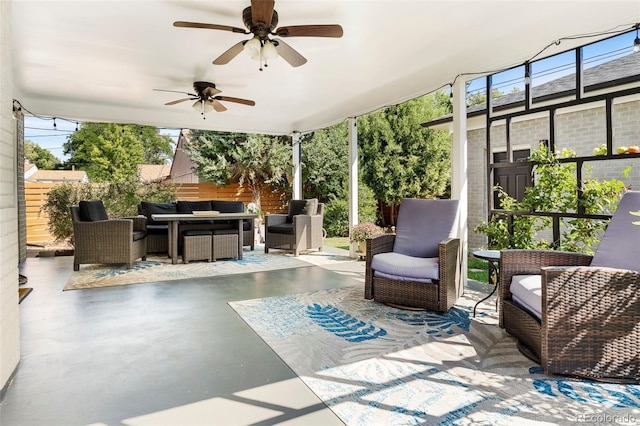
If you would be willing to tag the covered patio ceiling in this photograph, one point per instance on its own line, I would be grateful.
(101, 60)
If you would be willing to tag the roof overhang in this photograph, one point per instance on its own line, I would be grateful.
(101, 60)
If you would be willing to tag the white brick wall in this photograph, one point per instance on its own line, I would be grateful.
(9, 318)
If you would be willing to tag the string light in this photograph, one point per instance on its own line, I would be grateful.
(636, 42)
(54, 124)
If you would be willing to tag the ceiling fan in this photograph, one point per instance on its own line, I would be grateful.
(261, 19)
(206, 98)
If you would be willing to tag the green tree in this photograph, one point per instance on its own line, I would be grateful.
(257, 160)
(112, 152)
(325, 164)
(325, 174)
(42, 158)
(399, 157)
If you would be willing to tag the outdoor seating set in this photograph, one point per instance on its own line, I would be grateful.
(575, 314)
(98, 239)
(158, 230)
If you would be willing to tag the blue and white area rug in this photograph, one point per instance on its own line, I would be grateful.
(373, 364)
(160, 269)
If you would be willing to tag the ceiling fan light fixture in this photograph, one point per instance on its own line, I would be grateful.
(269, 51)
(252, 47)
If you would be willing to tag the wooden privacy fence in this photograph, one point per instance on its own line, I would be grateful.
(273, 201)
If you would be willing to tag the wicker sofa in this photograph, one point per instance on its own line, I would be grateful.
(157, 231)
(575, 314)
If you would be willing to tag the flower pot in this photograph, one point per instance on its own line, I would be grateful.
(362, 247)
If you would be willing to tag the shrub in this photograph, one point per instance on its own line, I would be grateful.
(120, 200)
(554, 190)
(336, 215)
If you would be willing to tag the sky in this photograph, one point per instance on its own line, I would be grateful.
(551, 68)
(42, 131)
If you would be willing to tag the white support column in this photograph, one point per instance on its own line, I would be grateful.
(353, 179)
(296, 190)
(459, 167)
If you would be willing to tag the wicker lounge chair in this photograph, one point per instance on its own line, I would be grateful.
(585, 319)
(98, 239)
(419, 266)
(300, 229)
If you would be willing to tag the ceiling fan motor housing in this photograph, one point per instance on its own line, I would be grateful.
(258, 30)
(201, 86)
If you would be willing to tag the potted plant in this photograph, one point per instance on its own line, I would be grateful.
(361, 232)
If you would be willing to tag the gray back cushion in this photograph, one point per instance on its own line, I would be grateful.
(92, 211)
(620, 245)
(227, 206)
(422, 224)
(306, 207)
(148, 209)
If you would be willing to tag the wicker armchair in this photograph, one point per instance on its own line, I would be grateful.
(585, 321)
(419, 266)
(300, 229)
(98, 239)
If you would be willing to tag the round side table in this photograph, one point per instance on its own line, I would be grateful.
(493, 259)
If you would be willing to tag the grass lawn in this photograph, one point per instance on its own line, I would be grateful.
(478, 269)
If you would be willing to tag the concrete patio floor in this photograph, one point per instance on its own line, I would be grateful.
(169, 353)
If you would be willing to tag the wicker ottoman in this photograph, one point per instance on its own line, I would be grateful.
(196, 246)
(225, 243)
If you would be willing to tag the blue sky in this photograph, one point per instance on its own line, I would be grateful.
(544, 70)
(42, 132)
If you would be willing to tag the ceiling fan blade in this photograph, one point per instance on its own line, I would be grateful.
(236, 100)
(289, 54)
(175, 91)
(229, 54)
(262, 11)
(184, 24)
(180, 100)
(217, 106)
(210, 92)
(310, 31)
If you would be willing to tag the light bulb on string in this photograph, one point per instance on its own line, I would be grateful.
(54, 124)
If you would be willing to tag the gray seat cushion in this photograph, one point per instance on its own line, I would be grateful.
(526, 291)
(284, 228)
(401, 267)
(225, 232)
(139, 235)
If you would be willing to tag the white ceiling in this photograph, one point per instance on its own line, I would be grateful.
(101, 60)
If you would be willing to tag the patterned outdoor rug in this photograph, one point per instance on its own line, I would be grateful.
(373, 364)
(156, 269)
